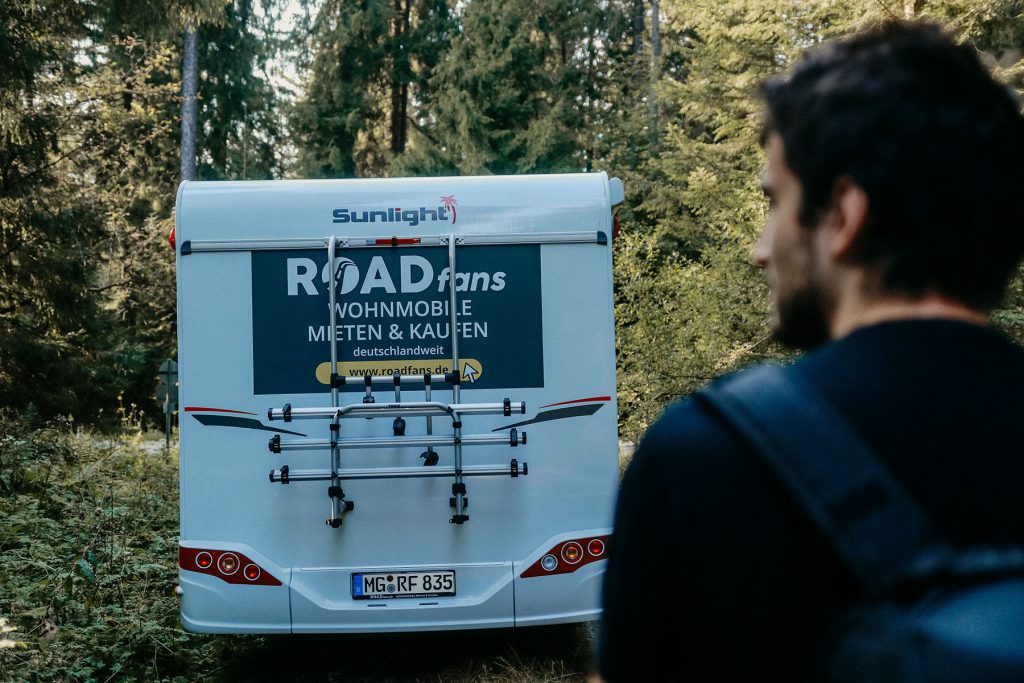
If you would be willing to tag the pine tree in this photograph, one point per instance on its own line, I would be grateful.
(519, 89)
(368, 68)
(240, 133)
(88, 172)
(701, 209)
(55, 336)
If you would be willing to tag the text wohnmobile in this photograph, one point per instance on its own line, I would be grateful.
(400, 309)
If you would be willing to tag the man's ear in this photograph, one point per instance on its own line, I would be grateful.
(849, 216)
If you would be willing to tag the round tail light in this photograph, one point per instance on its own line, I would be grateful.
(204, 560)
(572, 552)
(596, 547)
(228, 564)
(549, 562)
(251, 572)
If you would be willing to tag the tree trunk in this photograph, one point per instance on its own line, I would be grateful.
(655, 70)
(399, 79)
(638, 26)
(189, 77)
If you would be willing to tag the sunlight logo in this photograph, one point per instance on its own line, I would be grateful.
(413, 217)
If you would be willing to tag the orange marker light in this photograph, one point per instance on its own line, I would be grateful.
(572, 552)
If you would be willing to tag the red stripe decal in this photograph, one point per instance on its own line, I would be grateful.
(196, 409)
(579, 400)
(188, 560)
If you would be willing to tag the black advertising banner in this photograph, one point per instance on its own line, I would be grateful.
(392, 315)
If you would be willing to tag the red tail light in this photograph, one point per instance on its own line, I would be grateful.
(171, 238)
(615, 227)
(568, 556)
(224, 564)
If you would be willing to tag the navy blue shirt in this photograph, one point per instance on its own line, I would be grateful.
(714, 570)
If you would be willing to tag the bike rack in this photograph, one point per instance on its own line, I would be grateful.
(369, 408)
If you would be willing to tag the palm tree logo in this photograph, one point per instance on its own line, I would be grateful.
(449, 203)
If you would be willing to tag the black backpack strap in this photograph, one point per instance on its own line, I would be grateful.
(877, 529)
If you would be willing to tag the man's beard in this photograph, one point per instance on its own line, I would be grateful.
(803, 318)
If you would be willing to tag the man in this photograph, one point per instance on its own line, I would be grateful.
(895, 174)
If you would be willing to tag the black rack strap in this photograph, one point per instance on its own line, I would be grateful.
(878, 530)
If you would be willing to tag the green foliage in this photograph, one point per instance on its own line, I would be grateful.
(132, 134)
(57, 346)
(88, 562)
(681, 323)
(409, 87)
(370, 61)
(240, 130)
(344, 93)
(689, 305)
(89, 102)
(87, 546)
(699, 309)
(520, 89)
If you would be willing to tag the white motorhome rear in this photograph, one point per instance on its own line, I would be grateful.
(350, 465)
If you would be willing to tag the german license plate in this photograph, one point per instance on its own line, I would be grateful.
(380, 585)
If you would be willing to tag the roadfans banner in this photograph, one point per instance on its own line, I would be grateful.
(392, 315)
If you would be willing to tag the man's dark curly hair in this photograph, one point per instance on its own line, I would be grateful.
(935, 142)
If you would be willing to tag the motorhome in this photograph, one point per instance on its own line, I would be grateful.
(397, 402)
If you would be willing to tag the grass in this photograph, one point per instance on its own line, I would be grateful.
(88, 566)
(501, 656)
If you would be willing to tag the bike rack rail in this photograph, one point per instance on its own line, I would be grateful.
(369, 407)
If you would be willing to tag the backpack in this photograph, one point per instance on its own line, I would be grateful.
(930, 612)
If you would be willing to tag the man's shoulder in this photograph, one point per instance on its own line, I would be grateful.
(690, 421)
(685, 427)
(688, 438)
(691, 442)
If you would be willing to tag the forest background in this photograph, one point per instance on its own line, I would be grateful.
(658, 92)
